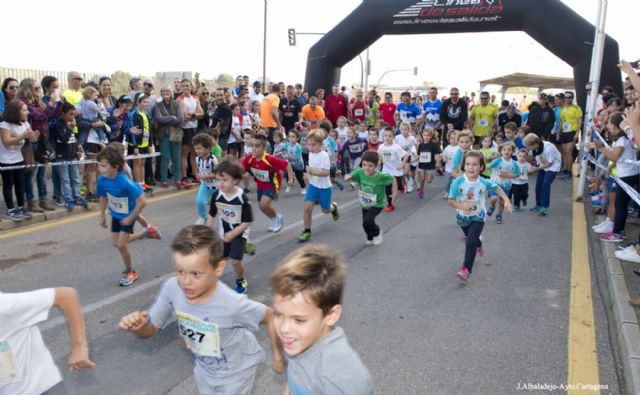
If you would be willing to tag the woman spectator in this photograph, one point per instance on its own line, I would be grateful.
(168, 116)
(9, 91)
(14, 131)
(191, 111)
(320, 97)
(105, 94)
(203, 97)
(30, 92)
(50, 87)
(120, 119)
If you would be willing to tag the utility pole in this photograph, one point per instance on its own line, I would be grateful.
(264, 49)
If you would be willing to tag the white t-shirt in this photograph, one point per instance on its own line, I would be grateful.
(626, 169)
(448, 153)
(391, 158)
(523, 177)
(22, 350)
(319, 161)
(364, 135)
(342, 135)
(551, 155)
(190, 105)
(405, 142)
(12, 154)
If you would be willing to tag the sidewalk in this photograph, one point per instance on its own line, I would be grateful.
(623, 285)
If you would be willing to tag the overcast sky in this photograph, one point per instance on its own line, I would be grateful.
(213, 37)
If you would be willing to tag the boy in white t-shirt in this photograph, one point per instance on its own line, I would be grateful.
(447, 157)
(319, 188)
(393, 160)
(26, 365)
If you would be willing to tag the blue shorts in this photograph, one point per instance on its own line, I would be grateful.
(270, 193)
(321, 196)
(117, 227)
(611, 185)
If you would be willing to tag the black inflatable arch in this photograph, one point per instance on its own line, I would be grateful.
(550, 22)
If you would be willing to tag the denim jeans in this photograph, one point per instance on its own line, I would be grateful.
(70, 182)
(41, 181)
(170, 151)
(543, 188)
(202, 200)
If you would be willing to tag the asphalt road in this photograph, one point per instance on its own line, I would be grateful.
(416, 327)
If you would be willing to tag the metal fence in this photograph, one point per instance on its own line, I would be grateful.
(20, 74)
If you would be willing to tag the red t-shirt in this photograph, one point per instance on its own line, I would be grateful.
(358, 111)
(387, 111)
(265, 171)
(335, 107)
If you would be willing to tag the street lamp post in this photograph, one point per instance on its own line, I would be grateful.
(264, 48)
(415, 72)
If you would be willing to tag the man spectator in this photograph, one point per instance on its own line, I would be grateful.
(289, 109)
(147, 89)
(177, 88)
(269, 112)
(407, 111)
(298, 94)
(358, 107)
(135, 87)
(313, 113)
(509, 115)
(483, 118)
(454, 112)
(558, 101)
(256, 93)
(493, 101)
(73, 94)
(343, 91)
(238, 86)
(524, 105)
(504, 105)
(221, 119)
(335, 106)
(541, 118)
(431, 109)
(388, 109)
(570, 123)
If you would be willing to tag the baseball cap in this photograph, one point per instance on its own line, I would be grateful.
(298, 85)
(124, 99)
(257, 84)
(149, 82)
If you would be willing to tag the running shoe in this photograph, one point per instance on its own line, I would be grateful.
(369, 242)
(304, 236)
(517, 209)
(241, 286)
(249, 248)
(247, 190)
(463, 274)
(628, 254)
(287, 189)
(612, 237)
(410, 186)
(498, 219)
(164, 185)
(303, 191)
(14, 215)
(605, 226)
(200, 221)
(279, 223)
(389, 208)
(186, 184)
(70, 205)
(534, 209)
(543, 212)
(524, 203)
(420, 194)
(153, 232)
(353, 185)
(59, 202)
(599, 202)
(490, 211)
(335, 214)
(195, 181)
(179, 185)
(445, 195)
(147, 188)
(377, 240)
(25, 213)
(82, 203)
(91, 197)
(340, 185)
(439, 171)
(128, 278)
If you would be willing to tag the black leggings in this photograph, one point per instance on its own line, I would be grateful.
(621, 202)
(12, 179)
(299, 176)
(369, 222)
(389, 188)
(472, 231)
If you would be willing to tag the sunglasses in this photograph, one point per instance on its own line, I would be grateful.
(568, 97)
(205, 93)
(77, 79)
(148, 84)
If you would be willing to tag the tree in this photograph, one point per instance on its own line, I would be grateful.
(120, 82)
(224, 81)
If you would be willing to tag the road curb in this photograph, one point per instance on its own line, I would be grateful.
(61, 212)
(626, 322)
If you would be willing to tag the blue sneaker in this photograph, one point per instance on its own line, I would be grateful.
(70, 205)
(490, 211)
(241, 286)
(534, 209)
(517, 209)
(524, 203)
(498, 219)
(543, 212)
(82, 202)
(340, 185)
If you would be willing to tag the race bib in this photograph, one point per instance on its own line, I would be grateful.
(566, 127)
(367, 199)
(358, 112)
(201, 337)
(483, 123)
(230, 213)
(474, 211)
(118, 205)
(288, 114)
(425, 157)
(260, 175)
(8, 372)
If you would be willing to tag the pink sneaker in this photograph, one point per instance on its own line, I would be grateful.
(463, 275)
(612, 237)
(420, 194)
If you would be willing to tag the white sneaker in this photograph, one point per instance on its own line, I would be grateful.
(604, 227)
(200, 221)
(287, 189)
(445, 195)
(369, 242)
(410, 186)
(353, 185)
(629, 255)
(274, 223)
(377, 240)
(303, 191)
(279, 223)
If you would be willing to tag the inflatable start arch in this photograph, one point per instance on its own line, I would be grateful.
(550, 22)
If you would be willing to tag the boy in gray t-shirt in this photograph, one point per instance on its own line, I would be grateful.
(215, 322)
(307, 288)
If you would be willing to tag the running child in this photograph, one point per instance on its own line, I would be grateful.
(520, 184)
(26, 364)
(374, 142)
(447, 158)
(126, 201)
(266, 170)
(503, 170)
(428, 153)
(319, 189)
(279, 152)
(489, 154)
(465, 142)
(206, 163)
(293, 152)
(330, 146)
(215, 322)
(394, 159)
(235, 216)
(352, 151)
(467, 196)
(309, 283)
(372, 190)
(407, 142)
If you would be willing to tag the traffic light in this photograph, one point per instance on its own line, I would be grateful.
(292, 37)
(415, 70)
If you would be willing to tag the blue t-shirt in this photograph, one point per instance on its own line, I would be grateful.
(1, 102)
(431, 113)
(456, 162)
(294, 156)
(518, 142)
(121, 194)
(462, 189)
(556, 125)
(329, 145)
(408, 113)
(499, 165)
